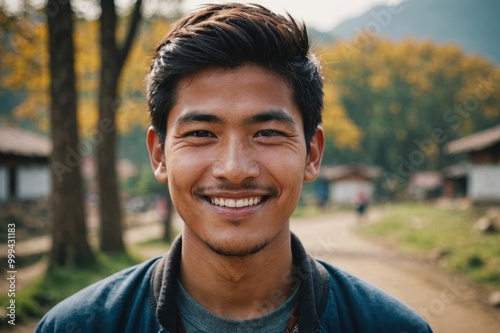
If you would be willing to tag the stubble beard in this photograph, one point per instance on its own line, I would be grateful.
(240, 253)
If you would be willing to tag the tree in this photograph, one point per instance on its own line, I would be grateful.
(113, 58)
(408, 99)
(69, 244)
(25, 37)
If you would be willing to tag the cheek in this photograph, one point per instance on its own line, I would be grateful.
(184, 172)
(289, 167)
(288, 173)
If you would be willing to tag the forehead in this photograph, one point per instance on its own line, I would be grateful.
(233, 92)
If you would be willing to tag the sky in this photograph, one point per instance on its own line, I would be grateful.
(323, 15)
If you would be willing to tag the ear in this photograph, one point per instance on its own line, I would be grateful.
(315, 155)
(156, 156)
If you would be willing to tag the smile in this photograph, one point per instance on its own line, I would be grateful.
(236, 203)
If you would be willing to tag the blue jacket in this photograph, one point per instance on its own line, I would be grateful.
(141, 299)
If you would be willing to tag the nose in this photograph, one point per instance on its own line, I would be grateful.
(236, 161)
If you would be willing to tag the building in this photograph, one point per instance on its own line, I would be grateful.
(346, 182)
(425, 185)
(24, 165)
(483, 174)
(455, 180)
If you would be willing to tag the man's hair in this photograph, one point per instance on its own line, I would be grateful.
(229, 36)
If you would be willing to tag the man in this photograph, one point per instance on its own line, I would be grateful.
(235, 99)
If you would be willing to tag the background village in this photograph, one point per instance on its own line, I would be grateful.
(412, 117)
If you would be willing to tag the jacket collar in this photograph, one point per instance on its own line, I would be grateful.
(313, 279)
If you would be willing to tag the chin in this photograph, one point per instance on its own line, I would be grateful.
(237, 251)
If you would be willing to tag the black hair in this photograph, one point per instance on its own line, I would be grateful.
(229, 36)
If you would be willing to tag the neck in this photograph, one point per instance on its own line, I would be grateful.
(238, 287)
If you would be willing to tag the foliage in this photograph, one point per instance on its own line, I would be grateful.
(404, 98)
(144, 183)
(24, 65)
(433, 231)
(339, 128)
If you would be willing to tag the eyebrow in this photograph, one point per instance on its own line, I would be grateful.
(271, 115)
(262, 117)
(199, 117)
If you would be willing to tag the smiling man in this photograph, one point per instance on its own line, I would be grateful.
(235, 98)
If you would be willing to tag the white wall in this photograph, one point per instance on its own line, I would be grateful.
(484, 182)
(4, 183)
(346, 191)
(33, 181)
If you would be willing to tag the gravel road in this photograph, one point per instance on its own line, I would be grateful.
(448, 303)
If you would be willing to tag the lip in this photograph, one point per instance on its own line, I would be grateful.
(236, 203)
(235, 194)
(235, 212)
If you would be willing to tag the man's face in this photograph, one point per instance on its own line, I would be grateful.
(235, 158)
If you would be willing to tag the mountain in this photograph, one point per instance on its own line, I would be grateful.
(473, 24)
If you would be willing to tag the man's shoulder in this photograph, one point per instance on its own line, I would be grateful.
(101, 305)
(362, 307)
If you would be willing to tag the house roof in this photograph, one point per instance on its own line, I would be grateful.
(426, 179)
(20, 142)
(474, 142)
(330, 173)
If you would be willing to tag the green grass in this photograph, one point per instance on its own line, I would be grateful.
(35, 299)
(424, 229)
(156, 242)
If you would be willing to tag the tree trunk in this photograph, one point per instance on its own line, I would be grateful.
(69, 242)
(111, 235)
(112, 61)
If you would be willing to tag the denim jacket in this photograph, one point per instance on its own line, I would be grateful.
(141, 299)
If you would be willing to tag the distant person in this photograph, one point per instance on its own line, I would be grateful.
(361, 205)
(235, 98)
(322, 192)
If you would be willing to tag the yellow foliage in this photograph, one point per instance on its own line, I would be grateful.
(379, 81)
(337, 125)
(87, 115)
(395, 107)
(25, 68)
(491, 111)
(25, 65)
(401, 134)
(35, 107)
(380, 67)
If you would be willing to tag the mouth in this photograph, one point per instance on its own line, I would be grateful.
(236, 202)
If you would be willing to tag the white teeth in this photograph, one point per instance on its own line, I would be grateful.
(233, 203)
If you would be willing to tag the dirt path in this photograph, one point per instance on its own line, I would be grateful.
(448, 304)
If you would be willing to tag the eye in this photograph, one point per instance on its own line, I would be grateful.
(200, 134)
(268, 132)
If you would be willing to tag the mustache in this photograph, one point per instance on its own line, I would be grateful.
(226, 186)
